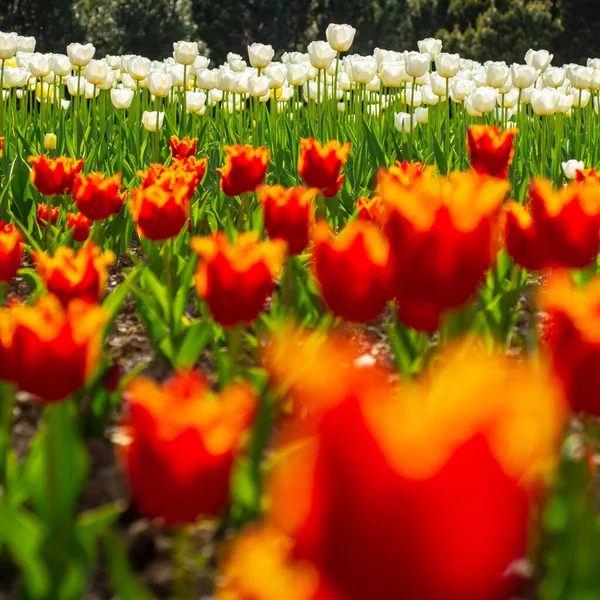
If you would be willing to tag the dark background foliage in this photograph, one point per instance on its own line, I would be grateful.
(480, 29)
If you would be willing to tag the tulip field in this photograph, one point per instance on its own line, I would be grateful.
(325, 327)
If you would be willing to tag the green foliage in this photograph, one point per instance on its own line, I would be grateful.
(510, 27)
(146, 27)
(52, 22)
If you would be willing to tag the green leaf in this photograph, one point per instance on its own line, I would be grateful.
(196, 338)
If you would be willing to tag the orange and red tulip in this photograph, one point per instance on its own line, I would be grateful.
(183, 443)
(184, 147)
(321, 165)
(48, 350)
(44, 212)
(288, 214)
(354, 270)
(245, 169)
(98, 197)
(71, 274)
(11, 251)
(235, 279)
(80, 225)
(491, 150)
(54, 176)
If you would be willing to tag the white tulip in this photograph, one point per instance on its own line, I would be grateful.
(232, 57)
(428, 96)
(523, 76)
(447, 65)
(277, 73)
(259, 86)
(496, 74)
(483, 99)
(238, 65)
(9, 42)
(80, 54)
(227, 81)
(595, 82)
(201, 62)
(580, 77)
(64, 104)
(571, 167)
(391, 74)
(76, 85)
(340, 37)
(416, 64)
(382, 56)
(260, 55)
(470, 109)
(91, 90)
(121, 99)
(341, 106)
(185, 53)
(39, 64)
(25, 43)
(544, 102)
(321, 54)
(581, 98)
(363, 69)
(159, 84)
(438, 84)
(149, 120)
(206, 79)
(297, 74)
(138, 67)
(404, 122)
(177, 73)
(461, 89)
(15, 78)
(413, 97)
(374, 85)
(430, 46)
(96, 72)
(109, 82)
(422, 115)
(214, 96)
(593, 63)
(195, 101)
(508, 100)
(554, 77)
(61, 65)
(129, 83)
(538, 59)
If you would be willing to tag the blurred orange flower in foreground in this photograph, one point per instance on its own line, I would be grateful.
(559, 228)
(443, 233)
(321, 165)
(258, 566)
(11, 251)
(235, 279)
(354, 269)
(587, 175)
(98, 197)
(369, 209)
(49, 350)
(159, 214)
(573, 338)
(184, 147)
(491, 149)
(54, 176)
(423, 491)
(183, 443)
(71, 274)
(288, 214)
(245, 169)
(80, 225)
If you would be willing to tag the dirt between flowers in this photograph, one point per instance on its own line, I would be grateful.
(148, 545)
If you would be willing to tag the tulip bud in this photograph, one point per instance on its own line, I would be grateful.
(39, 64)
(96, 72)
(8, 45)
(416, 64)
(50, 141)
(297, 74)
(544, 102)
(391, 74)
(321, 54)
(121, 99)
(340, 37)
(470, 109)
(15, 78)
(80, 54)
(61, 65)
(438, 84)
(150, 118)
(422, 115)
(428, 97)
(362, 69)
(277, 73)
(571, 167)
(206, 79)
(580, 77)
(76, 85)
(260, 55)
(554, 77)
(447, 65)
(201, 62)
(258, 86)
(185, 53)
(196, 102)
(138, 67)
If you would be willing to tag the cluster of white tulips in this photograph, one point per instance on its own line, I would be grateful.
(387, 80)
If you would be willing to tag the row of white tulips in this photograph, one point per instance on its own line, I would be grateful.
(415, 79)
